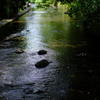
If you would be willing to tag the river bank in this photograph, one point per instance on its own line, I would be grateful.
(6, 21)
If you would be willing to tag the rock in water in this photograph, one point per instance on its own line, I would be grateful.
(19, 51)
(41, 64)
(41, 52)
(27, 30)
(39, 92)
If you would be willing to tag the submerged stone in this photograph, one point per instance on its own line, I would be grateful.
(35, 92)
(30, 92)
(41, 52)
(39, 92)
(19, 51)
(27, 30)
(42, 63)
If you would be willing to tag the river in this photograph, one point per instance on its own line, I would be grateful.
(73, 71)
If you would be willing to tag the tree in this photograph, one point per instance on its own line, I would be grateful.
(87, 11)
(9, 8)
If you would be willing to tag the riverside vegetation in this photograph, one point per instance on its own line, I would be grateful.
(9, 8)
(85, 11)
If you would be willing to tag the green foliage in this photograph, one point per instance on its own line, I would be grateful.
(49, 1)
(91, 15)
(9, 8)
(43, 3)
(87, 11)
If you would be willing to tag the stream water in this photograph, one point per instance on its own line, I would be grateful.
(73, 71)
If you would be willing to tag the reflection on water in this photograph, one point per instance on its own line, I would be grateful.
(72, 73)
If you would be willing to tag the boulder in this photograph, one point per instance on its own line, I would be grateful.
(19, 51)
(41, 64)
(42, 52)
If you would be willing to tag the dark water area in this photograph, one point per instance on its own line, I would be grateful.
(73, 72)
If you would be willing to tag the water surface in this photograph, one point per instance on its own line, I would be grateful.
(72, 73)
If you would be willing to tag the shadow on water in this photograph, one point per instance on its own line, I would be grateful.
(12, 27)
(73, 71)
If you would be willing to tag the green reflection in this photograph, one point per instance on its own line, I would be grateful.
(54, 31)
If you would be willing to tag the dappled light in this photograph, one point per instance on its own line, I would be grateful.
(47, 54)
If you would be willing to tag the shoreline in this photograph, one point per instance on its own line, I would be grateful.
(4, 22)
